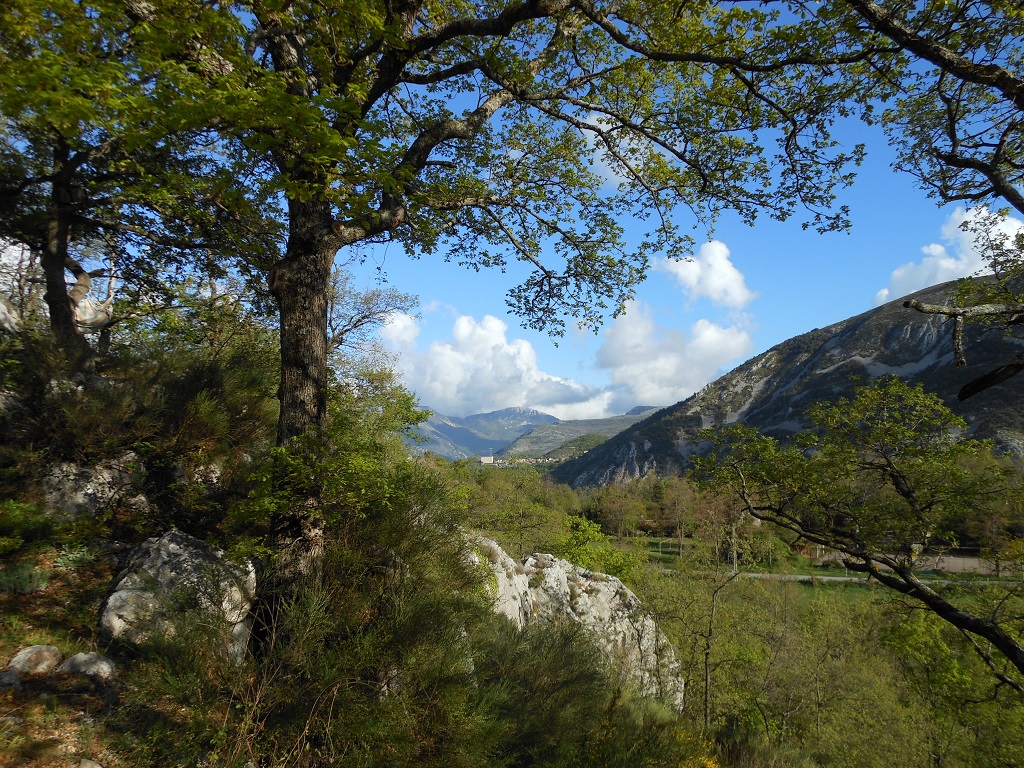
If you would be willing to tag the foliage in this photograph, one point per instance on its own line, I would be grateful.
(21, 524)
(586, 546)
(388, 651)
(517, 505)
(971, 719)
(879, 479)
(190, 391)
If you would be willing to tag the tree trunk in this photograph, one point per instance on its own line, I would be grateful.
(300, 285)
(54, 260)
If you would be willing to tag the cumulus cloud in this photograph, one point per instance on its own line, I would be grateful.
(712, 275)
(480, 369)
(653, 366)
(958, 257)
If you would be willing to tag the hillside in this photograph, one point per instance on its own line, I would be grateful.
(547, 437)
(772, 391)
(513, 432)
(481, 434)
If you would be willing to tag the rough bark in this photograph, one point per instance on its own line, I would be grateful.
(300, 285)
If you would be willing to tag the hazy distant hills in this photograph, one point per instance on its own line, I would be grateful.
(545, 438)
(772, 391)
(481, 434)
(513, 431)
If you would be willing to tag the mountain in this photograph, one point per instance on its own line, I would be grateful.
(481, 434)
(547, 437)
(513, 432)
(772, 391)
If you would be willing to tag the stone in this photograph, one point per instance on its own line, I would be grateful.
(9, 320)
(72, 491)
(167, 577)
(87, 763)
(542, 587)
(94, 665)
(10, 679)
(36, 659)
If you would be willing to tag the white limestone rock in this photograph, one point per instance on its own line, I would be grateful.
(36, 659)
(72, 490)
(542, 587)
(168, 576)
(94, 665)
(9, 320)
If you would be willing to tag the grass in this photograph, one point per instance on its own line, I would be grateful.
(55, 720)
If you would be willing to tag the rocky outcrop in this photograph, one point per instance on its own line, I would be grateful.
(48, 659)
(172, 575)
(73, 490)
(542, 587)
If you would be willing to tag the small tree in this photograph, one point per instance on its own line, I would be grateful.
(880, 478)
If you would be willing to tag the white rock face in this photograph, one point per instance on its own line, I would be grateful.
(173, 574)
(9, 320)
(74, 491)
(546, 588)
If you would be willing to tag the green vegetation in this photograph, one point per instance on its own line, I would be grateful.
(881, 479)
(383, 650)
(367, 660)
(192, 145)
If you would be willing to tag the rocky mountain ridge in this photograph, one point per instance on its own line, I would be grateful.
(772, 391)
(481, 434)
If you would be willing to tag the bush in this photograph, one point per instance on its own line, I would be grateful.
(21, 525)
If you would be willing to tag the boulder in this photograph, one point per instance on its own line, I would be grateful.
(542, 587)
(94, 665)
(172, 575)
(73, 490)
(36, 659)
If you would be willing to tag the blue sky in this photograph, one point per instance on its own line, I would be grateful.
(746, 290)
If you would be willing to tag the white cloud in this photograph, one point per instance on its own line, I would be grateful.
(959, 257)
(400, 331)
(710, 274)
(653, 366)
(480, 369)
